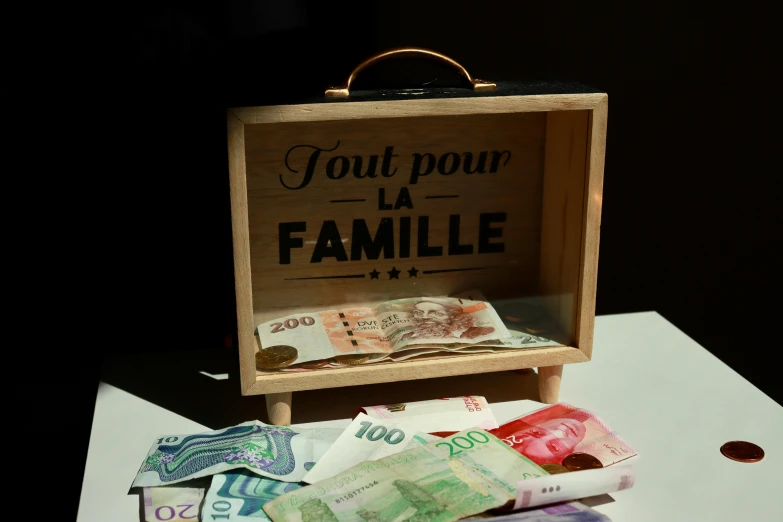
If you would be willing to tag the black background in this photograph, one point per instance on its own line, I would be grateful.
(690, 224)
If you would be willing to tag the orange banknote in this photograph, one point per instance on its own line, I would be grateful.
(388, 327)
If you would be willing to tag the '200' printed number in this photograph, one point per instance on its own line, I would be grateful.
(290, 324)
(464, 443)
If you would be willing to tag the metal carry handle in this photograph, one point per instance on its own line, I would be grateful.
(344, 90)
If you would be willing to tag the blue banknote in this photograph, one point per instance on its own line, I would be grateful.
(240, 495)
(276, 452)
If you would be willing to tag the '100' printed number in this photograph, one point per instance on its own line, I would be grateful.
(394, 436)
(468, 442)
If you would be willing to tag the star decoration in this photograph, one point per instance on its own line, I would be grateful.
(374, 274)
(393, 273)
(413, 272)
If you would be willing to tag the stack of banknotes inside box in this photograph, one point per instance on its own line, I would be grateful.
(440, 460)
(401, 329)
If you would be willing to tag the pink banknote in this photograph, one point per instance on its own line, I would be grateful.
(550, 434)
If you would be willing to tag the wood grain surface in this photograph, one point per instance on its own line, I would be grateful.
(350, 204)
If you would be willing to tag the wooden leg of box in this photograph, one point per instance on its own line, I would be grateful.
(278, 408)
(549, 383)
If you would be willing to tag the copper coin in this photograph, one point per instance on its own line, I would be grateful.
(352, 359)
(512, 318)
(278, 356)
(535, 330)
(555, 469)
(742, 451)
(579, 461)
(314, 365)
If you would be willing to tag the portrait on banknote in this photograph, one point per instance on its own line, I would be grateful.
(549, 441)
(433, 319)
(552, 433)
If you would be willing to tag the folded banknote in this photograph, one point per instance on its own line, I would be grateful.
(239, 496)
(364, 439)
(572, 486)
(172, 504)
(564, 512)
(550, 434)
(385, 328)
(440, 415)
(276, 452)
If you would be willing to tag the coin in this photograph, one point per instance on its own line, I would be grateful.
(554, 469)
(512, 318)
(535, 330)
(742, 451)
(278, 356)
(579, 461)
(314, 365)
(395, 407)
(352, 359)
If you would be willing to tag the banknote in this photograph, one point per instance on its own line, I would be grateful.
(172, 504)
(518, 340)
(445, 480)
(550, 434)
(564, 512)
(515, 340)
(571, 486)
(366, 438)
(387, 327)
(450, 414)
(239, 495)
(411, 352)
(421, 439)
(276, 452)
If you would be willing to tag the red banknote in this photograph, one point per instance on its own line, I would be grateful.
(550, 434)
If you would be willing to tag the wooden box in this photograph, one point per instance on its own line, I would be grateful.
(496, 190)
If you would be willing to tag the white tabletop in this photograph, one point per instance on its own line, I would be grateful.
(662, 392)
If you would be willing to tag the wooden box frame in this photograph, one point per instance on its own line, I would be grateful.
(571, 213)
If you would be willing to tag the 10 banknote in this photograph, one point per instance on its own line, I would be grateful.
(275, 452)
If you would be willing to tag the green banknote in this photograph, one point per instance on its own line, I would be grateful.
(447, 479)
(239, 496)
